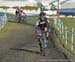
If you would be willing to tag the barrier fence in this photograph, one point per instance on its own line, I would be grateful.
(3, 20)
(27, 17)
(65, 33)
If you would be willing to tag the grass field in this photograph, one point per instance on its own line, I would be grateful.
(69, 22)
(5, 32)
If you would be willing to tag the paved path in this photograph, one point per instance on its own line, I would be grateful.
(21, 46)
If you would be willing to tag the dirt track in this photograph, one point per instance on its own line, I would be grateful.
(21, 46)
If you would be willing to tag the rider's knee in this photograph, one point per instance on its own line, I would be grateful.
(47, 34)
(39, 38)
(46, 29)
(47, 38)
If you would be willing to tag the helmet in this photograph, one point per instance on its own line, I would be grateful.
(42, 14)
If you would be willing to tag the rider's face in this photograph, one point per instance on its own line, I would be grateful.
(42, 17)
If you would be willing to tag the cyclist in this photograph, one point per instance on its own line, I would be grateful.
(42, 24)
(19, 14)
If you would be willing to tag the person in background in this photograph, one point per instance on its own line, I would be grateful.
(19, 14)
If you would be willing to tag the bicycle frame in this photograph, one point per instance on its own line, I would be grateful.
(20, 18)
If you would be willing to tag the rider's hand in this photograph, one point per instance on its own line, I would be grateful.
(46, 29)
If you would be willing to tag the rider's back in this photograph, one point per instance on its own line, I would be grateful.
(19, 12)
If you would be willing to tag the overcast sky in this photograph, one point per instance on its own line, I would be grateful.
(52, 0)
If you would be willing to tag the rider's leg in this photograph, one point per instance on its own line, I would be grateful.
(22, 19)
(19, 18)
(40, 43)
(47, 35)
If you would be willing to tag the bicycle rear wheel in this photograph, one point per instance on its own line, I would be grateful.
(19, 19)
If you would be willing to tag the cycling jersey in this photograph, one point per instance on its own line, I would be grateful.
(42, 23)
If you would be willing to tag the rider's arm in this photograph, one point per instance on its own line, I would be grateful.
(49, 25)
(36, 25)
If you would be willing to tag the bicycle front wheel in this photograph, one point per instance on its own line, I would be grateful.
(43, 40)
